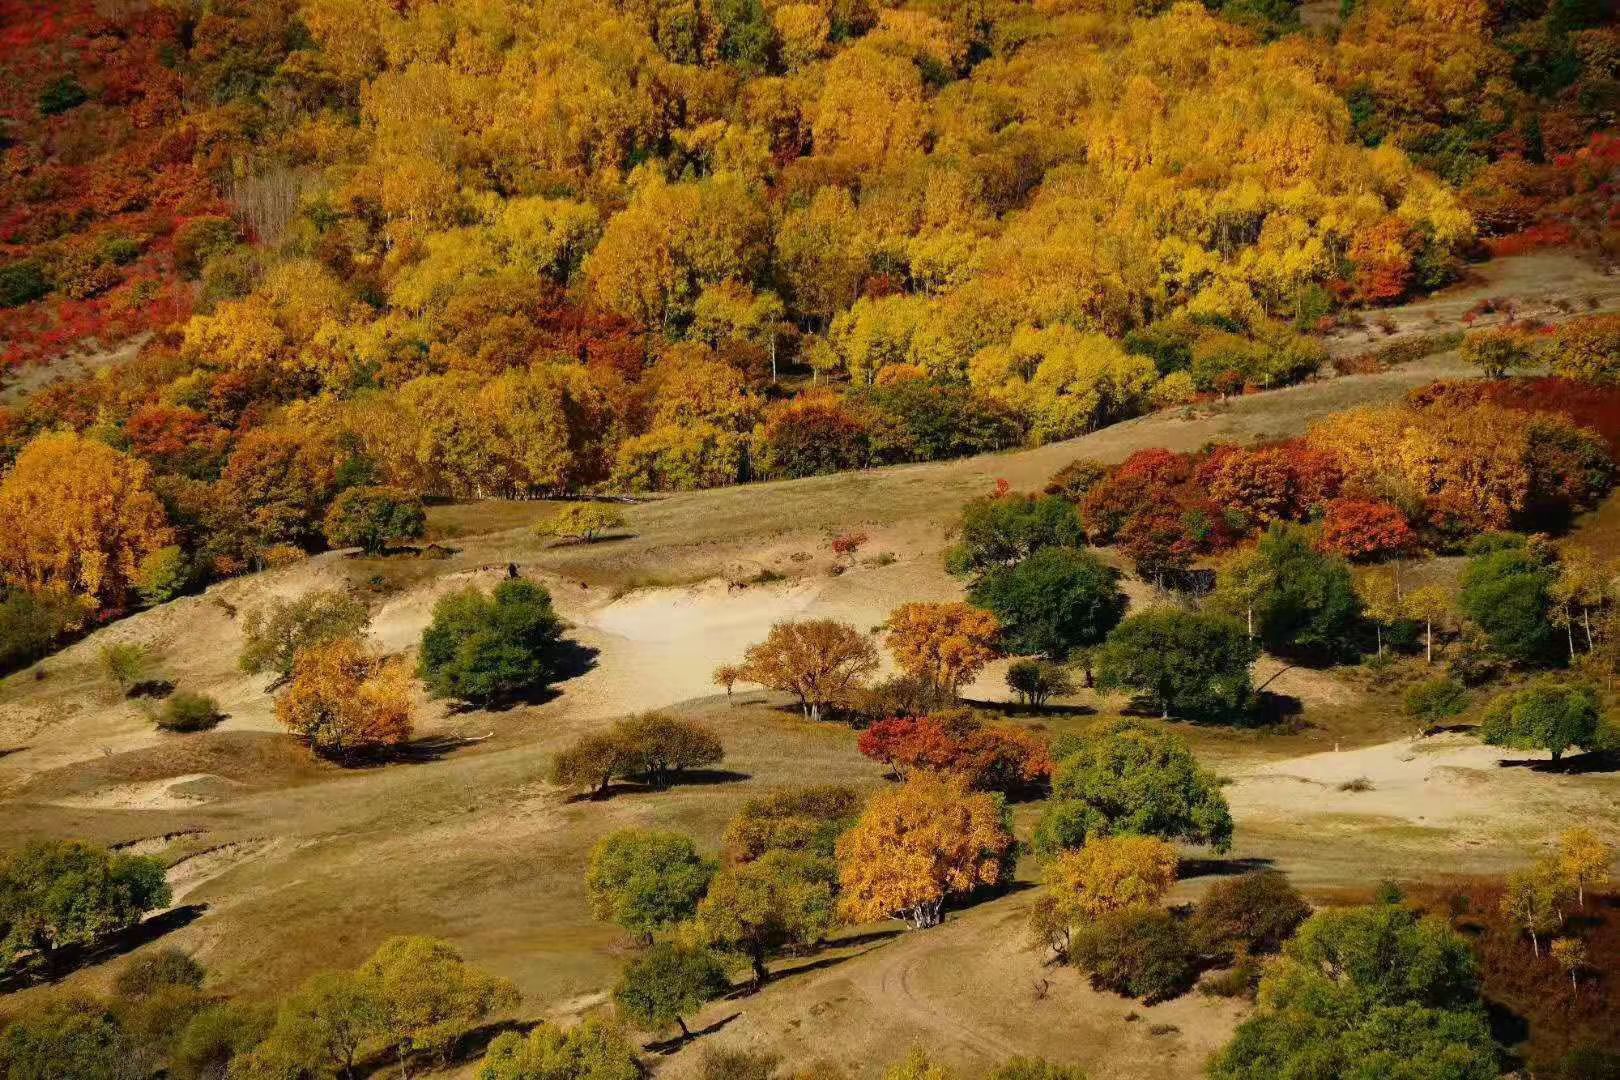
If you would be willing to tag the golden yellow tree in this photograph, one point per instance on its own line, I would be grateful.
(1111, 874)
(946, 645)
(918, 846)
(1583, 859)
(78, 516)
(346, 702)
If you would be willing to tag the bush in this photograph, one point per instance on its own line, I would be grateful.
(274, 636)
(126, 663)
(1139, 952)
(146, 975)
(645, 880)
(1434, 700)
(62, 95)
(199, 240)
(33, 623)
(371, 518)
(23, 282)
(186, 712)
(489, 648)
(1250, 914)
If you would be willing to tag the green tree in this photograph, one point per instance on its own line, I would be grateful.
(780, 900)
(319, 1028)
(668, 981)
(1367, 993)
(645, 880)
(1053, 602)
(1192, 664)
(1002, 529)
(372, 518)
(1549, 714)
(1310, 603)
(57, 893)
(490, 648)
(1037, 681)
(214, 1036)
(67, 1035)
(1249, 914)
(274, 635)
(1506, 592)
(592, 1050)
(1123, 776)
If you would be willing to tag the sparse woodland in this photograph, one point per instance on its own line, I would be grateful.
(330, 265)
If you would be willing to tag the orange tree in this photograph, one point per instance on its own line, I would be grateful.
(820, 661)
(920, 845)
(946, 645)
(346, 703)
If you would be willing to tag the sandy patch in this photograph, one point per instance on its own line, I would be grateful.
(713, 612)
(170, 793)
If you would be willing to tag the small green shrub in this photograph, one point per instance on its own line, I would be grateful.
(1140, 952)
(23, 282)
(186, 712)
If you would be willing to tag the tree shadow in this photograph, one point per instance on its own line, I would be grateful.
(684, 778)
(858, 945)
(670, 1046)
(1594, 761)
(1507, 1026)
(1019, 709)
(606, 538)
(1219, 867)
(46, 971)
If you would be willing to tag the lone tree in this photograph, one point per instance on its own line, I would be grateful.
(920, 845)
(1052, 603)
(345, 702)
(646, 881)
(653, 747)
(1549, 714)
(491, 648)
(668, 981)
(372, 518)
(1038, 681)
(60, 893)
(583, 522)
(944, 645)
(1192, 664)
(820, 661)
(1125, 777)
(782, 900)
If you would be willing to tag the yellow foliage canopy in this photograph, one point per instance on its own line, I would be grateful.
(78, 516)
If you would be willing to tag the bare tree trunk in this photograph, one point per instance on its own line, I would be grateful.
(1428, 641)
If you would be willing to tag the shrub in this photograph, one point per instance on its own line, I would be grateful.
(371, 518)
(488, 648)
(1434, 700)
(153, 971)
(1137, 952)
(1250, 914)
(63, 94)
(658, 747)
(126, 663)
(274, 635)
(186, 712)
(199, 240)
(23, 282)
(668, 981)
